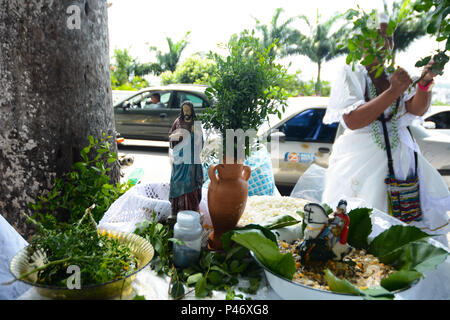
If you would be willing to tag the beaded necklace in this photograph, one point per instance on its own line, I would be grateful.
(375, 126)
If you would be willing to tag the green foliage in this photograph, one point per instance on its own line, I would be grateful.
(125, 66)
(360, 227)
(137, 84)
(87, 183)
(122, 66)
(409, 29)
(393, 238)
(400, 246)
(195, 69)
(368, 45)
(309, 88)
(214, 271)
(275, 33)
(266, 251)
(100, 258)
(246, 87)
(158, 235)
(168, 61)
(319, 45)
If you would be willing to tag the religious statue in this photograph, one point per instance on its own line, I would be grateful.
(186, 142)
(325, 237)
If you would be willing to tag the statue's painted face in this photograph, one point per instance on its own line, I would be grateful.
(187, 113)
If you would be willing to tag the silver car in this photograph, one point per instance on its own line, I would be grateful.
(305, 139)
(136, 118)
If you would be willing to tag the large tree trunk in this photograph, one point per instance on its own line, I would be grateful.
(55, 91)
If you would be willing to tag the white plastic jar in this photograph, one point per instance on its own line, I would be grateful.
(189, 230)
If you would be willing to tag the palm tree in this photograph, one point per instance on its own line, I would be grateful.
(168, 61)
(319, 45)
(275, 33)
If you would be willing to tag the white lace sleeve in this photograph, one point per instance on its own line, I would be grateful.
(347, 94)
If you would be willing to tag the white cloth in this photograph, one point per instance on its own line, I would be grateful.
(139, 203)
(11, 242)
(358, 167)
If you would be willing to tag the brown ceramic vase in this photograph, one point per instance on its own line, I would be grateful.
(227, 197)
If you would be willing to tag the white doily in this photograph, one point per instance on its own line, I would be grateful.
(138, 205)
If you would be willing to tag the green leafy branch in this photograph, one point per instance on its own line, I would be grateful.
(100, 258)
(439, 27)
(218, 271)
(88, 182)
(367, 44)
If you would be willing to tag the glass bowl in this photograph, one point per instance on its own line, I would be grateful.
(22, 263)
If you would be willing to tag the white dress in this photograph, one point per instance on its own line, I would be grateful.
(358, 166)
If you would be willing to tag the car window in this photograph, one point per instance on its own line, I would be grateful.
(146, 103)
(308, 126)
(197, 101)
(442, 120)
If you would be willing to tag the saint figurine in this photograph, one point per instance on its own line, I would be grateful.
(325, 237)
(186, 141)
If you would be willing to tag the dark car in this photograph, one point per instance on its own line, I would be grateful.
(137, 118)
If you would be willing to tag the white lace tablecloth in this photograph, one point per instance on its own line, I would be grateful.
(138, 204)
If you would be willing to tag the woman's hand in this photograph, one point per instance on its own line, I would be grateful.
(427, 74)
(400, 81)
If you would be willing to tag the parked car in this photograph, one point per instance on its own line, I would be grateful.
(135, 118)
(305, 139)
(438, 119)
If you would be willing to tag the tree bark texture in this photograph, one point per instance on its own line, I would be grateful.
(55, 91)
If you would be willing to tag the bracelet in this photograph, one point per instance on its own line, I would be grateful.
(426, 88)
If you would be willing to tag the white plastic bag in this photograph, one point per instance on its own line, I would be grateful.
(311, 184)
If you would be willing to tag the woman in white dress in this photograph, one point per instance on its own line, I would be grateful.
(358, 163)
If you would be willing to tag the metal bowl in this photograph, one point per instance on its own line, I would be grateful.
(290, 290)
(119, 288)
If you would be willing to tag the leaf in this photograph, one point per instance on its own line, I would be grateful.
(341, 286)
(267, 252)
(344, 286)
(176, 241)
(215, 278)
(423, 62)
(360, 228)
(377, 293)
(194, 278)
(400, 279)
(368, 60)
(419, 256)
(226, 237)
(200, 288)
(138, 297)
(394, 238)
(281, 222)
(379, 72)
(349, 58)
(177, 290)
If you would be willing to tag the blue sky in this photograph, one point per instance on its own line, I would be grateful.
(138, 24)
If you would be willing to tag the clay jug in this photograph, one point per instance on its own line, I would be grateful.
(227, 197)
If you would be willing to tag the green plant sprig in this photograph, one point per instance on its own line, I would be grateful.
(88, 182)
(215, 270)
(99, 257)
(367, 44)
(246, 88)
